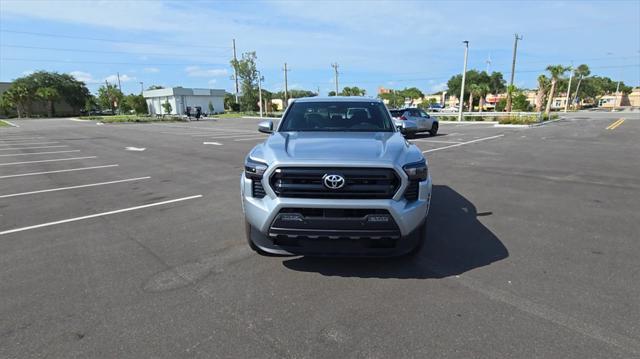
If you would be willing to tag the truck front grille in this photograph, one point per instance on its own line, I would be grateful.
(360, 183)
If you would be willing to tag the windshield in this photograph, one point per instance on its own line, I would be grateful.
(354, 116)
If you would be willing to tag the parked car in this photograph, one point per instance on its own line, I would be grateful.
(414, 120)
(335, 178)
(450, 109)
(435, 107)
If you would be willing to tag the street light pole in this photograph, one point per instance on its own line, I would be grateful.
(260, 91)
(464, 77)
(615, 98)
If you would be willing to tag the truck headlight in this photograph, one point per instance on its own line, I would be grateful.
(417, 171)
(254, 169)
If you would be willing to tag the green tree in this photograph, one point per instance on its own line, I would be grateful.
(393, 98)
(482, 92)
(109, 96)
(556, 72)
(580, 72)
(248, 75)
(155, 87)
(18, 95)
(90, 104)
(332, 93)
(211, 109)
(23, 91)
(352, 91)
(294, 94)
(543, 88)
(493, 81)
(411, 93)
(519, 102)
(50, 95)
(167, 107)
(137, 103)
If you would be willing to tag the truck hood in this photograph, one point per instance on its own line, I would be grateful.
(335, 146)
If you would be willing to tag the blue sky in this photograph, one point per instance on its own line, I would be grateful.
(392, 44)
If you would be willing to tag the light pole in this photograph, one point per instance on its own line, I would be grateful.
(260, 92)
(615, 98)
(141, 87)
(464, 77)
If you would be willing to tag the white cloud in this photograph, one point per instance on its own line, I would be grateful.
(151, 69)
(123, 78)
(85, 77)
(212, 81)
(28, 72)
(438, 87)
(197, 71)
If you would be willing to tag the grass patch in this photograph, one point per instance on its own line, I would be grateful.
(519, 120)
(4, 124)
(132, 118)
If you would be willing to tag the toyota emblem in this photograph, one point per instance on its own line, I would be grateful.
(333, 181)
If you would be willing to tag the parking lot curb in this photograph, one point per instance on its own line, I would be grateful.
(472, 122)
(528, 126)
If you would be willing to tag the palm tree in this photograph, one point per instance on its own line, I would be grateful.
(582, 71)
(543, 86)
(556, 72)
(50, 95)
(474, 89)
(482, 90)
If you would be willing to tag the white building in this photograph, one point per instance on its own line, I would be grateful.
(181, 98)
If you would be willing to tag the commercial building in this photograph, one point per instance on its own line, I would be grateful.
(208, 100)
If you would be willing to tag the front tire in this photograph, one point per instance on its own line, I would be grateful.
(434, 129)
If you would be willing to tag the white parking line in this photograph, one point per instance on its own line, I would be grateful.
(229, 135)
(28, 143)
(463, 143)
(38, 153)
(98, 215)
(73, 187)
(30, 148)
(52, 160)
(58, 171)
(434, 141)
(251, 138)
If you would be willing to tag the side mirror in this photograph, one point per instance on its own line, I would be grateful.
(265, 127)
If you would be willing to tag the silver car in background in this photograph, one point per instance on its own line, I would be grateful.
(414, 120)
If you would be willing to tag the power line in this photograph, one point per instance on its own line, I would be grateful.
(108, 63)
(106, 40)
(107, 52)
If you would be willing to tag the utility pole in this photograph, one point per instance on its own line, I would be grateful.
(119, 86)
(513, 72)
(566, 105)
(286, 87)
(235, 69)
(488, 62)
(335, 69)
(318, 91)
(260, 91)
(141, 87)
(615, 98)
(464, 77)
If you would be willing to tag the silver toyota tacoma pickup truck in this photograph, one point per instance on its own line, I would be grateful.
(335, 178)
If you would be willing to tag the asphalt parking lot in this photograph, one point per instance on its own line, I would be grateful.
(128, 241)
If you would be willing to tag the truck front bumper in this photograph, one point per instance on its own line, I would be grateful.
(334, 237)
